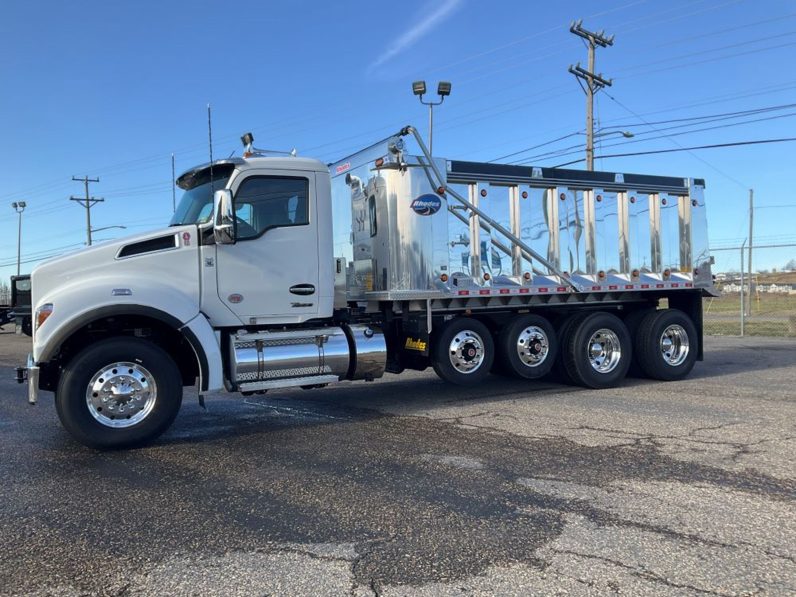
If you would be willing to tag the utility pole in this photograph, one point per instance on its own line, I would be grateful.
(594, 82)
(87, 202)
(751, 242)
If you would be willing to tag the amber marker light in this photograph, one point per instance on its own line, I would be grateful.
(43, 313)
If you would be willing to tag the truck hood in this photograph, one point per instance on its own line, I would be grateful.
(158, 270)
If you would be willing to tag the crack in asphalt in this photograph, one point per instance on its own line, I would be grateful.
(643, 574)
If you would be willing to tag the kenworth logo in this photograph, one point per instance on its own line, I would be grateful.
(426, 205)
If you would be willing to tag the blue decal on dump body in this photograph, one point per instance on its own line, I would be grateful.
(426, 205)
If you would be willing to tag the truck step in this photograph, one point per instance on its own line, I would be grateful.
(292, 382)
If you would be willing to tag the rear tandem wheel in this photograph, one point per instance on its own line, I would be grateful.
(463, 351)
(527, 346)
(666, 345)
(598, 351)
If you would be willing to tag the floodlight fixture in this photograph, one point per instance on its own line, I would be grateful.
(443, 91)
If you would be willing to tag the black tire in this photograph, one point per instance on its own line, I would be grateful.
(683, 348)
(27, 326)
(564, 330)
(147, 367)
(527, 347)
(632, 322)
(472, 341)
(591, 369)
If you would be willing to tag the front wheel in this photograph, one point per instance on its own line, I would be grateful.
(463, 351)
(119, 393)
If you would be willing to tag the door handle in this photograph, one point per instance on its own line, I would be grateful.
(302, 289)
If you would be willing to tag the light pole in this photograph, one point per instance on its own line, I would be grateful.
(590, 144)
(626, 134)
(19, 207)
(93, 230)
(443, 90)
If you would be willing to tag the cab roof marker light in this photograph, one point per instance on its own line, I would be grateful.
(250, 151)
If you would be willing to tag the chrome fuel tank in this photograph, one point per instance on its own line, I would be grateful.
(262, 356)
(355, 352)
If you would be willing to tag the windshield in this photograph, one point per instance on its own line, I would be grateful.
(196, 205)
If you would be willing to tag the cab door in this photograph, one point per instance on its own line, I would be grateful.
(270, 275)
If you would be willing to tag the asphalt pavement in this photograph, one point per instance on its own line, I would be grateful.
(408, 486)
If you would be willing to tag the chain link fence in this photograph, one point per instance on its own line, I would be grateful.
(763, 304)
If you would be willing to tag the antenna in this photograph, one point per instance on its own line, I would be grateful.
(210, 132)
(173, 186)
(210, 143)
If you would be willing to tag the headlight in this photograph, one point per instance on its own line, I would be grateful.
(42, 313)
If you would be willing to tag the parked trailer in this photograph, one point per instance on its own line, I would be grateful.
(20, 304)
(279, 271)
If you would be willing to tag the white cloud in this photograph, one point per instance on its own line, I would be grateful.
(418, 30)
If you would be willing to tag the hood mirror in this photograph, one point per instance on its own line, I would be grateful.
(223, 218)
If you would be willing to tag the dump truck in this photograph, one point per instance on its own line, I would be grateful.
(280, 271)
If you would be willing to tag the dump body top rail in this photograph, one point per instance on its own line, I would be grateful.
(459, 171)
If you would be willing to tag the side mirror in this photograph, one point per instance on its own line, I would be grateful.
(223, 218)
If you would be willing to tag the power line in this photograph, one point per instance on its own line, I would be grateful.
(704, 119)
(728, 115)
(712, 100)
(735, 180)
(714, 146)
(646, 65)
(707, 60)
(564, 151)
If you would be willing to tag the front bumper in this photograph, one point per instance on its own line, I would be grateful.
(30, 372)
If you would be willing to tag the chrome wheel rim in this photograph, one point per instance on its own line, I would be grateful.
(604, 350)
(121, 394)
(533, 346)
(674, 345)
(466, 351)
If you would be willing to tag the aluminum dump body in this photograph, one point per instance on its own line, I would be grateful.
(405, 230)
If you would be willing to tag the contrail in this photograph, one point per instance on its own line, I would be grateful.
(416, 31)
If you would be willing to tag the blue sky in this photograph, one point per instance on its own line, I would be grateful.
(111, 89)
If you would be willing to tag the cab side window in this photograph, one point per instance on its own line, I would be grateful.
(265, 202)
